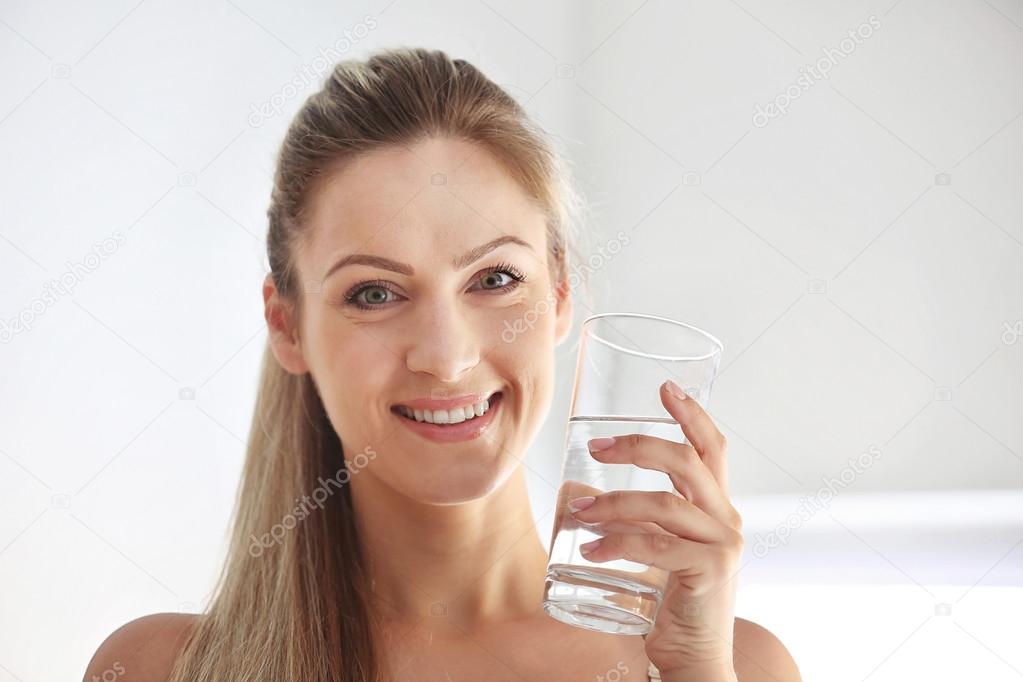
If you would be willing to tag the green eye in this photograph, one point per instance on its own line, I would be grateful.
(354, 297)
(505, 269)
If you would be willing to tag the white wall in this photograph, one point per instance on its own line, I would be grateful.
(860, 257)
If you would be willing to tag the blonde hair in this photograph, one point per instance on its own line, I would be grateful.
(296, 610)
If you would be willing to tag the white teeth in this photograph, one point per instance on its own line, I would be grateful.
(455, 416)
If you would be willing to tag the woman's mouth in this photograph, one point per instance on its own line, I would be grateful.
(448, 417)
(462, 423)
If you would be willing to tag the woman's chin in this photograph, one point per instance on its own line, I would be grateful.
(461, 483)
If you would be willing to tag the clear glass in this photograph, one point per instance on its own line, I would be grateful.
(623, 360)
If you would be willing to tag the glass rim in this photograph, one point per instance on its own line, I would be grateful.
(674, 358)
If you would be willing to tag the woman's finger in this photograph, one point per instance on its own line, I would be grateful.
(669, 553)
(699, 430)
(671, 512)
(683, 465)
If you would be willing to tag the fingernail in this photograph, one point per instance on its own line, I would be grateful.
(675, 390)
(600, 444)
(580, 503)
(588, 547)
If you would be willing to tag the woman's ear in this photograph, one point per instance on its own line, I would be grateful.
(563, 323)
(280, 320)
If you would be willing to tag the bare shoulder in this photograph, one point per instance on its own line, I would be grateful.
(759, 656)
(143, 649)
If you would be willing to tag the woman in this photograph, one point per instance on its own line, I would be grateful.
(416, 215)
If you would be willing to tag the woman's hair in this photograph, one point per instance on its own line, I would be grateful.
(290, 602)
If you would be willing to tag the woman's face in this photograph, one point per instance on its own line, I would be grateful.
(451, 321)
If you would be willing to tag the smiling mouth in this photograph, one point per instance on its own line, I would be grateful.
(454, 417)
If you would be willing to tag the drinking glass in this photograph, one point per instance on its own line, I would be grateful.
(623, 360)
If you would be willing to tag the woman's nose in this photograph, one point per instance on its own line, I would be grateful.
(444, 344)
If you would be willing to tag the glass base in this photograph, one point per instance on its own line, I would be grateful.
(593, 600)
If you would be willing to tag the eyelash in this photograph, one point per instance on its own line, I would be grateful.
(351, 298)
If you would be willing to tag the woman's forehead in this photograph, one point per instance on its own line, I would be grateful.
(392, 173)
(435, 193)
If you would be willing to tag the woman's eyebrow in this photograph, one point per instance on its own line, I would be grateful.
(459, 263)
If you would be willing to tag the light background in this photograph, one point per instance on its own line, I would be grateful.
(859, 256)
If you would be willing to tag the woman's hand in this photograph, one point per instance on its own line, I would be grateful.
(698, 540)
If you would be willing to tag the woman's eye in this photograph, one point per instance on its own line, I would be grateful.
(496, 278)
(374, 295)
(514, 276)
(368, 296)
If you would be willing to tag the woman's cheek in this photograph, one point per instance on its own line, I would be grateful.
(529, 319)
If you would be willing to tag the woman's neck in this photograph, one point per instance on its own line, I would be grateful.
(462, 566)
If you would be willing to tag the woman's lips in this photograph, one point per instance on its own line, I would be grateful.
(448, 433)
(449, 403)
